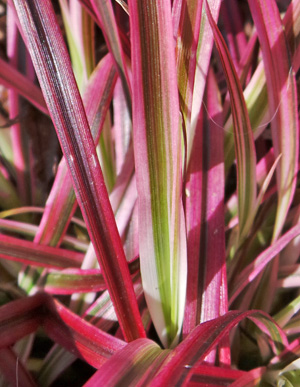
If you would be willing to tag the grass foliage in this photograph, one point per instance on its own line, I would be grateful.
(149, 200)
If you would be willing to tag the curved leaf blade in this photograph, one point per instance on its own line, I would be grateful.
(132, 366)
(253, 269)
(243, 136)
(208, 335)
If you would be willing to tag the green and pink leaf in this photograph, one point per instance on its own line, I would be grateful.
(156, 130)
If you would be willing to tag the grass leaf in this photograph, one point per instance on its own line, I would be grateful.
(282, 101)
(243, 137)
(52, 64)
(156, 130)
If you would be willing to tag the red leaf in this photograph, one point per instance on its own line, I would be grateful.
(52, 64)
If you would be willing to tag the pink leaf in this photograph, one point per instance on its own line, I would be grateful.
(31, 253)
(11, 78)
(52, 64)
(282, 97)
(253, 269)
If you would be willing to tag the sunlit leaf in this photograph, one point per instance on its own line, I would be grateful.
(156, 132)
(282, 101)
(52, 64)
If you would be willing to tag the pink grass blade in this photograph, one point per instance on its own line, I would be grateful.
(76, 335)
(204, 49)
(256, 267)
(282, 96)
(193, 214)
(106, 18)
(133, 366)
(31, 253)
(243, 136)
(52, 64)
(61, 202)
(189, 21)
(157, 139)
(11, 78)
(58, 358)
(70, 281)
(70, 331)
(14, 370)
(213, 233)
(235, 35)
(205, 219)
(214, 278)
(142, 352)
(192, 351)
(122, 125)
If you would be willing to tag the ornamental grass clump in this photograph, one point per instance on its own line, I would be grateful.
(149, 200)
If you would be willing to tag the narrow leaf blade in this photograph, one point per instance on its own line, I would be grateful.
(52, 64)
(157, 139)
(243, 136)
(282, 96)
